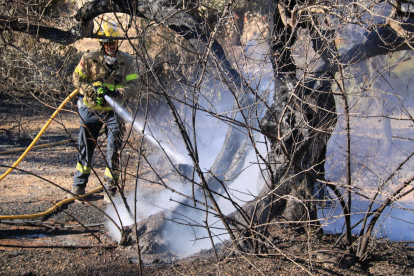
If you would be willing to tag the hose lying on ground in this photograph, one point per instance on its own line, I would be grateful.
(54, 208)
(61, 203)
(29, 148)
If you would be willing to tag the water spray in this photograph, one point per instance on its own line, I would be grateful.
(176, 157)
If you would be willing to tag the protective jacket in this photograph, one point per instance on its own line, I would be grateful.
(93, 67)
(122, 75)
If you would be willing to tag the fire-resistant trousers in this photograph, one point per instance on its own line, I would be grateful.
(91, 123)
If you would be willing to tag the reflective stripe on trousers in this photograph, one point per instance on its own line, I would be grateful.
(90, 125)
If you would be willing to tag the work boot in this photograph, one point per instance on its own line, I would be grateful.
(76, 191)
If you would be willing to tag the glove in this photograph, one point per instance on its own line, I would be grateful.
(101, 91)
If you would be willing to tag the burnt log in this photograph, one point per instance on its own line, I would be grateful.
(149, 232)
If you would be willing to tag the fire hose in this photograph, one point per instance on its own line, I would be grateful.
(29, 148)
(54, 208)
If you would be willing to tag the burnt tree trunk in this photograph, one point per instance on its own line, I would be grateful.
(299, 127)
(298, 124)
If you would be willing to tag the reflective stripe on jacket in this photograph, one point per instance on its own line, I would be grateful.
(92, 67)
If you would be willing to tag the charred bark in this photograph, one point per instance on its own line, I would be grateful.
(298, 124)
(299, 127)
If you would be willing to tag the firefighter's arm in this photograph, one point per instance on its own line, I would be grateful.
(131, 80)
(81, 80)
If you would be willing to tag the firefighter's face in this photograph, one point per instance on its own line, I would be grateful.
(111, 47)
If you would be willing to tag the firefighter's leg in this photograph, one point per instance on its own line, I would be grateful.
(114, 128)
(90, 124)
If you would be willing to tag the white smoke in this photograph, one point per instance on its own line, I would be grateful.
(187, 240)
(211, 133)
(378, 145)
(146, 205)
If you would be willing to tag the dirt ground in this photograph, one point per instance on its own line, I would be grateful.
(74, 240)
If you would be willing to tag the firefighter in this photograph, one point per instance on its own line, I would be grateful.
(105, 72)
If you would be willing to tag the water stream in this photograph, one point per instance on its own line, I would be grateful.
(175, 157)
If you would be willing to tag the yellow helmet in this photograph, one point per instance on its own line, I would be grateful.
(110, 30)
